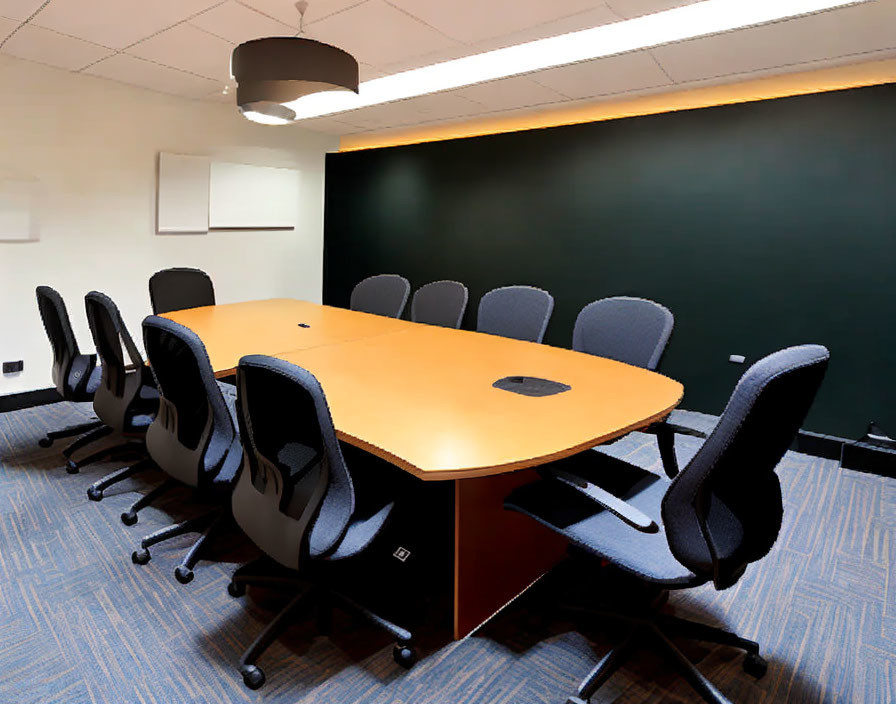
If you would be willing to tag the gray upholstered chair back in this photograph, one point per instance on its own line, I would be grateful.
(440, 303)
(180, 288)
(193, 430)
(71, 370)
(520, 312)
(630, 330)
(723, 510)
(121, 381)
(295, 496)
(384, 294)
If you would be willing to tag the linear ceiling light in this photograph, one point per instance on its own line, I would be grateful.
(697, 20)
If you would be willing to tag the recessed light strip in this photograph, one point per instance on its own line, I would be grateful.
(689, 22)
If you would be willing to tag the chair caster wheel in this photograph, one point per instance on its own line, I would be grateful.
(45, 442)
(94, 494)
(72, 467)
(253, 678)
(140, 557)
(755, 665)
(236, 590)
(183, 575)
(404, 655)
(129, 518)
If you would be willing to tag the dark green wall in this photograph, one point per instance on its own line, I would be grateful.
(759, 225)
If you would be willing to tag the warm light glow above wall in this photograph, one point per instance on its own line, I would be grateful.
(697, 20)
(818, 81)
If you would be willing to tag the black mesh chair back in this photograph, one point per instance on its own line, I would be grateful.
(385, 294)
(194, 430)
(121, 400)
(440, 303)
(295, 496)
(630, 330)
(180, 288)
(520, 312)
(724, 509)
(71, 369)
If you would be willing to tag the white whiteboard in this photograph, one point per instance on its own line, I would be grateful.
(259, 197)
(18, 211)
(183, 193)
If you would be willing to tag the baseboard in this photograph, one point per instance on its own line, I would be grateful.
(28, 399)
(852, 454)
(869, 458)
(830, 447)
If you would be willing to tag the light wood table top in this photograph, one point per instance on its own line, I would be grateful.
(233, 330)
(421, 396)
(423, 399)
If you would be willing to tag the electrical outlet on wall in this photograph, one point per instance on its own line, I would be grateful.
(13, 367)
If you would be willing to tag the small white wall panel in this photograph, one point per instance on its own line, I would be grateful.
(183, 193)
(18, 211)
(252, 197)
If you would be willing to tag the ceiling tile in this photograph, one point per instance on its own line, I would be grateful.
(850, 30)
(635, 8)
(285, 10)
(19, 9)
(189, 49)
(509, 93)
(614, 74)
(6, 27)
(219, 96)
(327, 125)
(48, 47)
(426, 108)
(117, 23)
(377, 33)
(139, 72)
(237, 23)
(475, 20)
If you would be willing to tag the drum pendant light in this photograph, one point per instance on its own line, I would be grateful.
(276, 70)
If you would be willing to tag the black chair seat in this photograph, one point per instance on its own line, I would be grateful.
(586, 524)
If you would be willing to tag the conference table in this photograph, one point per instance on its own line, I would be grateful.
(422, 398)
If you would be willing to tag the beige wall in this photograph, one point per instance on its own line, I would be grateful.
(93, 145)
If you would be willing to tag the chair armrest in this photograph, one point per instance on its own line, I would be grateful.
(665, 439)
(613, 504)
(684, 430)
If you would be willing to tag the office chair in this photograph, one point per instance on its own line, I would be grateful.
(520, 312)
(385, 294)
(75, 375)
(126, 399)
(631, 330)
(180, 288)
(706, 523)
(635, 331)
(193, 438)
(298, 502)
(440, 303)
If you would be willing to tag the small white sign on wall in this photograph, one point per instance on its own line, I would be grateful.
(19, 209)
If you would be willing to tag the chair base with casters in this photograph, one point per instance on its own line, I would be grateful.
(95, 490)
(265, 573)
(97, 433)
(207, 525)
(651, 628)
(54, 435)
(129, 517)
(114, 452)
